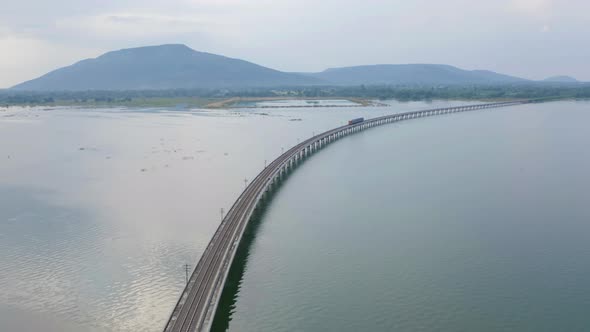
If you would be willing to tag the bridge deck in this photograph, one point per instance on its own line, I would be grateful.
(196, 307)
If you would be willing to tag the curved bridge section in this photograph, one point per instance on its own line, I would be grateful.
(198, 303)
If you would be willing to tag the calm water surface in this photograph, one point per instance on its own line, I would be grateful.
(101, 208)
(469, 222)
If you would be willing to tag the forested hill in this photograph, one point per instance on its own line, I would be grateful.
(426, 74)
(561, 79)
(158, 68)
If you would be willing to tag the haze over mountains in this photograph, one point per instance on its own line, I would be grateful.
(161, 67)
(561, 79)
(411, 74)
(177, 66)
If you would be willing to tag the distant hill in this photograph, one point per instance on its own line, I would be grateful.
(411, 74)
(161, 67)
(561, 79)
(180, 67)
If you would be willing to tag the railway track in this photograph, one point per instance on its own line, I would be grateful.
(196, 307)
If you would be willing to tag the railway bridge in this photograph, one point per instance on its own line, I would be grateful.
(198, 302)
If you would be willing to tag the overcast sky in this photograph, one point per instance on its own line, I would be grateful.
(528, 38)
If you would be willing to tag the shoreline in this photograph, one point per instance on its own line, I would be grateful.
(230, 103)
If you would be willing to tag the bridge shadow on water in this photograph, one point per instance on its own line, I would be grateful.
(229, 295)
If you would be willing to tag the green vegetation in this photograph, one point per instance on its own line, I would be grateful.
(473, 92)
(147, 98)
(203, 97)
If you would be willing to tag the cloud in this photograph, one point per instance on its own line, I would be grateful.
(131, 25)
(306, 35)
(24, 56)
(536, 8)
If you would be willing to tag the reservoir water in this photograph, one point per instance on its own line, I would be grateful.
(473, 222)
(469, 221)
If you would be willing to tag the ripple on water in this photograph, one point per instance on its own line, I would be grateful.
(62, 264)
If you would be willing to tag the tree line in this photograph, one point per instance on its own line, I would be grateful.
(399, 92)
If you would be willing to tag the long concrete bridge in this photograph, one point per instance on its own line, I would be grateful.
(197, 305)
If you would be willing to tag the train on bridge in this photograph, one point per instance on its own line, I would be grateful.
(355, 121)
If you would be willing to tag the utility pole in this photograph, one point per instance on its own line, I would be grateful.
(264, 163)
(186, 268)
(221, 212)
(282, 150)
(245, 183)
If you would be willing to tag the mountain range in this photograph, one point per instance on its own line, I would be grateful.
(561, 79)
(411, 74)
(176, 66)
